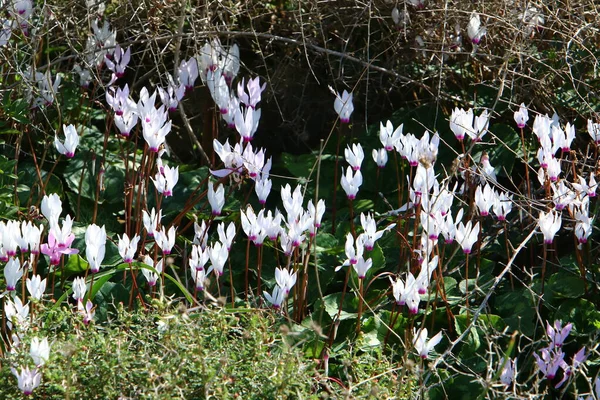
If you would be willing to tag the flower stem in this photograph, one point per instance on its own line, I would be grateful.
(231, 283)
(544, 265)
(352, 227)
(525, 158)
(360, 303)
(512, 284)
(467, 285)
(247, 261)
(335, 178)
(259, 271)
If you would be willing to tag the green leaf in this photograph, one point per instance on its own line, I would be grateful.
(504, 154)
(370, 337)
(326, 241)
(378, 261)
(518, 311)
(363, 205)
(462, 387)
(75, 265)
(566, 286)
(332, 304)
(492, 321)
(98, 283)
(10, 132)
(81, 177)
(109, 295)
(106, 214)
(472, 342)
(582, 313)
(183, 290)
(300, 166)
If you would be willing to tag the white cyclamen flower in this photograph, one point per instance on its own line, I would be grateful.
(71, 141)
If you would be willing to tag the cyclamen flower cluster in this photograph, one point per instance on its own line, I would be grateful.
(551, 138)
(580, 210)
(407, 145)
(59, 241)
(79, 290)
(246, 115)
(465, 123)
(187, 73)
(365, 241)
(165, 180)
(101, 44)
(285, 281)
(552, 359)
(155, 126)
(126, 112)
(571, 196)
(213, 55)
(487, 198)
(46, 89)
(14, 236)
(26, 237)
(218, 253)
(408, 292)
(241, 159)
(17, 316)
(298, 222)
(151, 276)
(20, 12)
(218, 67)
(172, 95)
(435, 202)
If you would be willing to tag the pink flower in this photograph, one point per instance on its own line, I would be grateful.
(28, 380)
(254, 89)
(121, 60)
(508, 371)
(88, 311)
(558, 333)
(55, 250)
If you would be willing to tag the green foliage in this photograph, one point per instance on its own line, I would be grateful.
(334, 336)
(174, 354)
